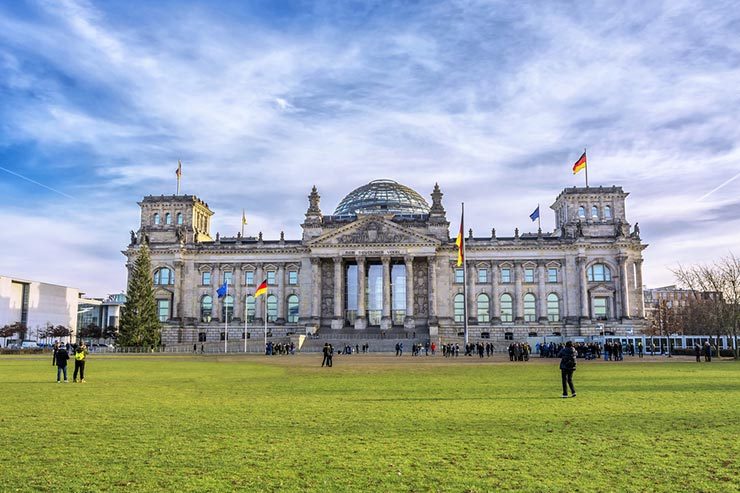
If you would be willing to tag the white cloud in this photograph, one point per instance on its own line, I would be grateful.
(492, 100)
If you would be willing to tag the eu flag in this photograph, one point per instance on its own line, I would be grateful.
(222, 290)
(535, 214)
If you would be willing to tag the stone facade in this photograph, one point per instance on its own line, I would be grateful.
(386, 267)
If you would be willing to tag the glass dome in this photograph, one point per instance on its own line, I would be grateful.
(382, 196)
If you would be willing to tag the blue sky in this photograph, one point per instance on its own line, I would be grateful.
(262, 100)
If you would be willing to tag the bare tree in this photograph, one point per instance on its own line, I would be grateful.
(716, 287)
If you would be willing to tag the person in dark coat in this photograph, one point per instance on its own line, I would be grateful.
(567, 357)
(697, 352)
(707, 352)
(55, 348)
(325, 361)
(61, 360)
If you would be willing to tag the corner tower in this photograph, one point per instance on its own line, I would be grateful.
(174, 218)
(591, 211)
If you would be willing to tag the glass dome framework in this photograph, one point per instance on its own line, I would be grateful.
(382, 197)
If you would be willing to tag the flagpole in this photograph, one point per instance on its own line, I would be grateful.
(465, 277)
(539, 221)
(265, 313)
(584, 153)
(246, 320)
(226, 322)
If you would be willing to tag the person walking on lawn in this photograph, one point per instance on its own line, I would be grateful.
(80, 355)
(61, 361)
(567, 357)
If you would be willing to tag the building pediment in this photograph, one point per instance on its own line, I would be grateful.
(373, 230)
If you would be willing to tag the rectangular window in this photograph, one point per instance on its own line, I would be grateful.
(249, 278)
(600, 308)
(528, 275)
(163, 310)
(292, 277)
(271, 277)
(229, 278)
(482, 276)
(505, 275)
(205, 278)
(459, 276)
(552, 274)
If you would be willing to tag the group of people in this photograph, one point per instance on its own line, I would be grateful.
(272, 349)
(519, 351)
(60, 357)
(706, 349)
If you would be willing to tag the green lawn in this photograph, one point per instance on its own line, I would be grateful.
(371, 423)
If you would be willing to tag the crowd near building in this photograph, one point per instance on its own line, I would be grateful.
(384, 264)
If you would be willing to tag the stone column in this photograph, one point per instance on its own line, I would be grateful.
(215, 284)
(624, 286)
(361, 320)
(409, 322)
(281, 295)
(315, 290)
(541, 293)
(386, 322)
(338, 321)
(432, 280)
(639, 299)
(259, 302)
(472, 279)
(583, 284)
(518, 296)
(177, 295)
(240, 310)
(495, 294)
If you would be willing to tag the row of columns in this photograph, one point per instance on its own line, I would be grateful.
(339, 289)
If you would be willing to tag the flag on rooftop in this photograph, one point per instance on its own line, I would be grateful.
(535, 214)
(580, 164)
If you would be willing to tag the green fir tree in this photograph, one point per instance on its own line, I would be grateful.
(139, 322)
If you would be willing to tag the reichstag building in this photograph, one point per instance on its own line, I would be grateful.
(384, 264)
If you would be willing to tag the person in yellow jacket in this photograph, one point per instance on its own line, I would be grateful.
(80, 355)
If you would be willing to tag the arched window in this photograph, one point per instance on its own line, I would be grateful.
(271, 308)
(507, 308)
(156, 218)
(530, 308)
(459, 302)
(163, 277)
(599, 273)
(607, 212)
(292, 309)
(179, 218)
(484, 314)
(594, 212)
(227, 308)
(582, 212)
(206, 307)
(168, 218)
(250, 309)
(553, 307)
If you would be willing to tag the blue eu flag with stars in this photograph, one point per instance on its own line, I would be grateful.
(222, 290)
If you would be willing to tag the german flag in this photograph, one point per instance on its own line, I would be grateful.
(459, 241)
(580, 164)
(262, 289)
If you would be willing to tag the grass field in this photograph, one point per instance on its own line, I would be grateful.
(371, 423)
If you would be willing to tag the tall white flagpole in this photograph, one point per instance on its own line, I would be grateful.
(264, 311)
(465, 275)
(246, 319)
(226, 321)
